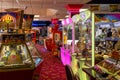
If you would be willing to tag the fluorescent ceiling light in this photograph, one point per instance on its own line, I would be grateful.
(37, 16)
(36, 19)
(60, 19)
(82, 10)
(67, 16)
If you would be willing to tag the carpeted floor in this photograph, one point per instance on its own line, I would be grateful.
(51, 68)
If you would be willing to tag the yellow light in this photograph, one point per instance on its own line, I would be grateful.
(61, 19)
(67, 16)
(37, 16)
(93, 39)
(3, 20)
(7, 18)
(82, 10)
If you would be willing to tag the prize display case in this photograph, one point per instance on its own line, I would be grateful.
(34, 53)
(106, 38)
(107, 34)
(107, 44)
(66, 48)
(82, 35)
(105, 70)
(82, 54)
(15, 59)
(96, 38)
(109, 68)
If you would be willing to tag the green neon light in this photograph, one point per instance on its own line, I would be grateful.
(93, 39)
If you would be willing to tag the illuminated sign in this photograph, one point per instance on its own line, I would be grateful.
(7, 18)
(85, 15)
(76, 18)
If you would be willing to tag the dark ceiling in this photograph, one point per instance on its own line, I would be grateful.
(104, 2)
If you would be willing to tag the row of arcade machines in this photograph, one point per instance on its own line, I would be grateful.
(30, 33)
(18, 57)
(54, 38)
(91, 45)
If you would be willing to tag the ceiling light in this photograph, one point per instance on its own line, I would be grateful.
(36, 19)
(67, 16)
(37, 16)
(82, 10)
(60, 19)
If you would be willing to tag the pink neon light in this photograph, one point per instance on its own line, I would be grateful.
(64, 22)
(69, 20)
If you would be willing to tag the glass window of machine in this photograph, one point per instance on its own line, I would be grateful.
(14, 55)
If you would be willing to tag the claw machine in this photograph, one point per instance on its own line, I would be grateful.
(15, 59)
(106, 33)
(66, 49)
(82, 54)
(107, 46)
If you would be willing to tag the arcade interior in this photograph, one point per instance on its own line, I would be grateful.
(84, 45)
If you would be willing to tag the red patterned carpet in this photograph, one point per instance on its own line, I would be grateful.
(51, 68)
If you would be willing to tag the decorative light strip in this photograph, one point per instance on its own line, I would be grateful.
(93, 39)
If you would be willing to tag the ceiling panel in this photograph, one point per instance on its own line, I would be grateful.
(45, 8)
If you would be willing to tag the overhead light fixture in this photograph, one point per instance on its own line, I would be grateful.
(67, 16)
(37, 16)
(36, 19)
(60, 19)
(81, 10)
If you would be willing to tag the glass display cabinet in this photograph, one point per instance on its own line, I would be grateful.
(34, 53)
(107, 69)
(66, 48)
(107, 43)
(107, 34)
(82, 43)
(111, 67)
(82, 35)
(15, 58)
